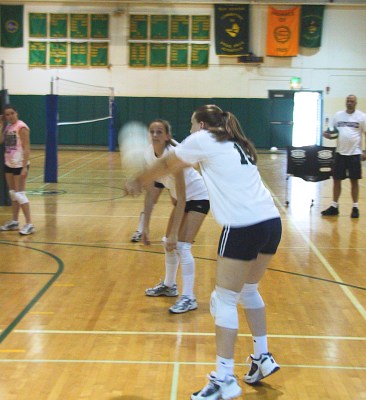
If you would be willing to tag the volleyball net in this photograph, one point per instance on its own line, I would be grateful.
(77, 114)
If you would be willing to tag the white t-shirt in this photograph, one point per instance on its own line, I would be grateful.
(350, 128)
(195, 185)
(238, 196)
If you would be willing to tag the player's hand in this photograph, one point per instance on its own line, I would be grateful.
(363, 156)
(170, 243)
(133, 187)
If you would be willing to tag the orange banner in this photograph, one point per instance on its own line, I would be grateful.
(283, 32)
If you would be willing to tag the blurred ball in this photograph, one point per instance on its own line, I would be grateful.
(274, 148)
(133, 141)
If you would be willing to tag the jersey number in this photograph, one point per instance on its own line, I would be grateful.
(243, 157)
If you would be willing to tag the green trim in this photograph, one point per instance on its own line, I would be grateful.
(28, 307)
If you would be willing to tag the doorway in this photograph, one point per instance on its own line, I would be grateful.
(296, 117)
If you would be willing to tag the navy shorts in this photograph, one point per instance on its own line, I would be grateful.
(14, 171)
(158, 185)
(347, 167)
(247, 242)
(201, 206)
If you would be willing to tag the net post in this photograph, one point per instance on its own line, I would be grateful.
(50, 167)
(4, 192)
(112, 137)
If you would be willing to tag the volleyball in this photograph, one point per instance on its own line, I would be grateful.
(133, 141)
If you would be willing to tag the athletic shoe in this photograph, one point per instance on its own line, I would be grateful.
(183, 305)
(260, 368)
(136, 237)
(355, 212)
(330, 211)
(27, 229)
(215, 389)
(162, 290)
(10, 226)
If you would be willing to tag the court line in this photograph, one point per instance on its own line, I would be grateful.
(150, 362)
(10, 328)
(275, 336)
(351, 297)
(175, 381)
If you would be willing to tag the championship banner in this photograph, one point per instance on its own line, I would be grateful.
(311, 26)
(232, 29)
(11, 26)
(283, 32)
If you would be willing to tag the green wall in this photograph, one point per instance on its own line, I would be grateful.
(253, 115)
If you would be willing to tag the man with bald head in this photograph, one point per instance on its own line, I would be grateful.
(349, 125)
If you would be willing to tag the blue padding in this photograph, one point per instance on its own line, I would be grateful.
(50, 167)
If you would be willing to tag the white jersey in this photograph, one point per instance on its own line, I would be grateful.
(350, 128)
(195, 185)
(238, 196)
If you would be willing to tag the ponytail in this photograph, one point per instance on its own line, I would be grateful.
(225, 127)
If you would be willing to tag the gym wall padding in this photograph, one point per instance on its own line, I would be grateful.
(253, 115)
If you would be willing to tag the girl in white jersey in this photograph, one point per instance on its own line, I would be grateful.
(191, 205)
(250, 236)
(15, 134)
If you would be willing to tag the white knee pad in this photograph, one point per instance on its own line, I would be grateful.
(12, 195)
(186, 258)
(223, 307)
(250, 298)
(21, 198)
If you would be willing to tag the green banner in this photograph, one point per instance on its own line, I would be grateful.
(179, 55)
(58, 54)
(179, 27)
(158, 54)
(38, 25)
(11, 26)
(232, 29)
(99, 54)
(79, 54)
(79, 26)
(37, 54)
(138, 55)
(138, 26)
(99, 26)
(58, 25)
(159, 27)
(311, 26)
(200, 27)
(199, 56)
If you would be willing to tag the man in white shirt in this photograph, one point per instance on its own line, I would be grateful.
(349, 124)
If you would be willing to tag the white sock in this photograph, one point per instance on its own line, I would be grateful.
(355, 205)
(140, 227)
(171, 268)
(260, 344)
(334, 204)
(224, 367)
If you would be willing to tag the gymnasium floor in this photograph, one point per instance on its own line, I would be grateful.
(75, 323)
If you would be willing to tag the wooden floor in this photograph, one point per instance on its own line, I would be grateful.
(75, 323)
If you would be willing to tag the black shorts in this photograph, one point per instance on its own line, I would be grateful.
(347, 167)
(247, 242)
(14, 171)
(201, 206)
(158, 185)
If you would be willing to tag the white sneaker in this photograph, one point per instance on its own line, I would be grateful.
(215, 389)
(27, 229)
(10, 226)
(260, 368)
(136, 237)
(183, 305)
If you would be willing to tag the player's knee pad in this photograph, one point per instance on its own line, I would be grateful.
(250, 297)
(223, 307)
(186, 258)
(184, 251)
(21, 198)
(12, 195)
